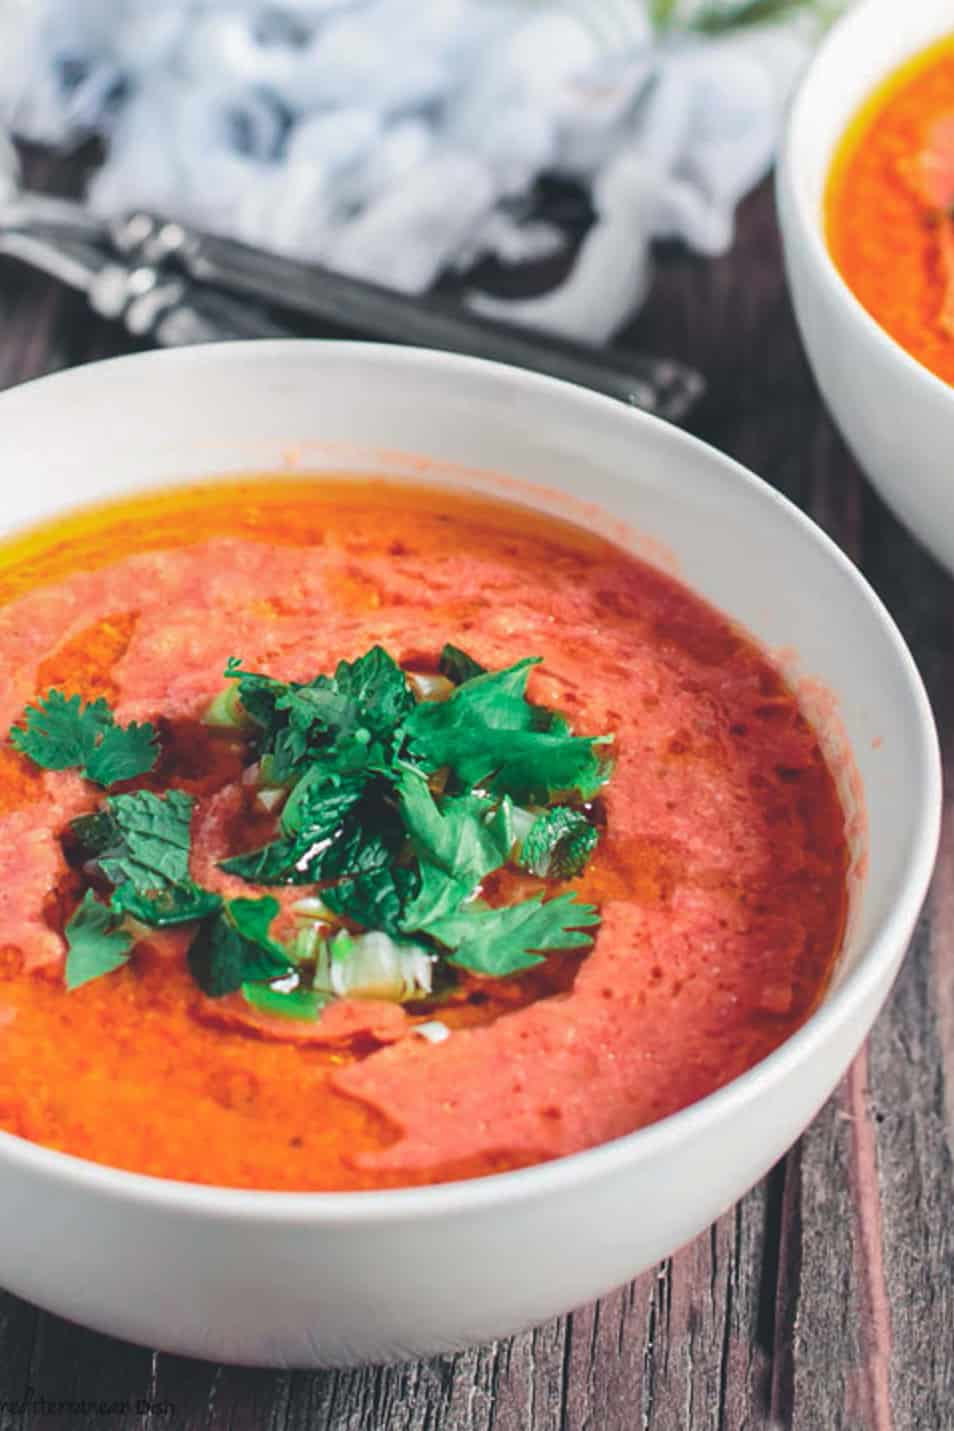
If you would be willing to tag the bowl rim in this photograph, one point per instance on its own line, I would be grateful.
(812, 225)
(396, 1205)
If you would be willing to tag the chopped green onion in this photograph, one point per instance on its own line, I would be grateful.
(226, 712)
(298, 1003)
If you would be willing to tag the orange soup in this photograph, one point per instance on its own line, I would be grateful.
(355, 835)
(890, 207)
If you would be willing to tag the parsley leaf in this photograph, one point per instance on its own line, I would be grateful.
(558, 844)
(234, 948)
(61, 733)
(97, 944)
(508, 940)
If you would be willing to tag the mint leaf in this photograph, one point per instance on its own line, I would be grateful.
(151, 839)
(234, 948)
(363, 703)
(97, 945)
(369, 694)
(141, 843)
(457, 666)
(171, 905)
(320, 800)
(61, 733)
(505, 941)
(342, 830)
(375, 900)
(558, 844)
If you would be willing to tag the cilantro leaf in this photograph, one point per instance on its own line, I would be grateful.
(234, 948)
(489, 734)
(457, 666)
(558, 844)
(457, 844)
(122, 754)
(61, 733)
(466, 836)
(505, 941)
(97, 945)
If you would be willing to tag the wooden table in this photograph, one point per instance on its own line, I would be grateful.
(825, 1300)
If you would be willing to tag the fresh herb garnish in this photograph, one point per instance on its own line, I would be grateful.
(457, 666)
(398, 809)
(376, 899)
(141, 843)
(489, 735)
(507, 940)
(96, 942)
(63, 733)
(558, 844)
(234, 948)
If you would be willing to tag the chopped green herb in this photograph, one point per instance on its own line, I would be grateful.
(174, 904)
(507, 940)
(330, 844)
(457, 666)
(376, 899)
(96, 942)
(234, 948)
(490, 735)
(151, 839)
(457, 844)
(61, 733)
(558, 844)
(398, 809)
(465, 836)
(361, 706)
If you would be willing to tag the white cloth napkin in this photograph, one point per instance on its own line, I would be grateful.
(397, 139)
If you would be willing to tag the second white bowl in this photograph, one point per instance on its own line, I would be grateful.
(895, 415)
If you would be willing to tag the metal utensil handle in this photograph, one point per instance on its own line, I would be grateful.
(658, 385)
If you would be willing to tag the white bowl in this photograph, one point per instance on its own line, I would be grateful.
(310, 1279)
(895, 415)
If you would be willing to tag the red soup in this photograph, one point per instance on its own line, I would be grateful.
(354, 835)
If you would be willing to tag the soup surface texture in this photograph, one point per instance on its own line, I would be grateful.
(890, 207)
(718, 873)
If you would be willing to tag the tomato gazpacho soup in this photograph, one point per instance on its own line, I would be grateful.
(890, 207)
(360, 835)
